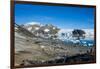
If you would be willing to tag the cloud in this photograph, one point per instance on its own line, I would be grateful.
(32, 23)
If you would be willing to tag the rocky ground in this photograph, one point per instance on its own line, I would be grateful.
(37, 50)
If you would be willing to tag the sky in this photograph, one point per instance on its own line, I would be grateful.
(64, 17)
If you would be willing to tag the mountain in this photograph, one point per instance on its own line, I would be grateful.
(31, 26)
(89, 33)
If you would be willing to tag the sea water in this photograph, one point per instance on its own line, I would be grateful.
(85, 42)
(82, 42)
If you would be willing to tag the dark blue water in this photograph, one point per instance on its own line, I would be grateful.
(81, 42)
(87, 42)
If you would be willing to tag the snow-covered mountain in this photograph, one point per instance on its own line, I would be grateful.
(89, 33)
